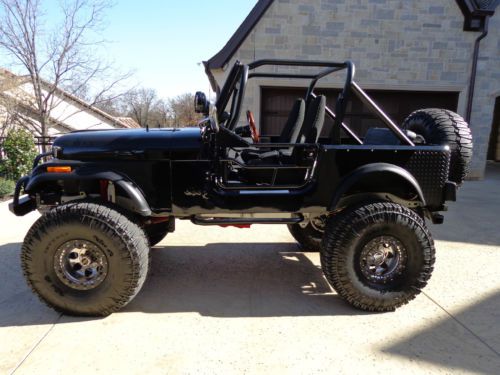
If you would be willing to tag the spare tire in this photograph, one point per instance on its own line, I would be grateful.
(444, 127)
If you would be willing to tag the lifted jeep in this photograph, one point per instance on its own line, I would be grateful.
(107, 196)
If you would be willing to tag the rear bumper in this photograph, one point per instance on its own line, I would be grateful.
(450, 191)
(20, 206)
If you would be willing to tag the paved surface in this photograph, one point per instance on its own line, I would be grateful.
(248, 301)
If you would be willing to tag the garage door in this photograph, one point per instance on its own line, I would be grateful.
(277, 102)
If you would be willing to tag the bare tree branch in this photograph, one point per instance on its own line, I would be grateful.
(62, 59)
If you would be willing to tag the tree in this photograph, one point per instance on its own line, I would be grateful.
(12, 115)
(19, 147)
(144, 106)
(182, 111)
(63, 58)
(141, 103)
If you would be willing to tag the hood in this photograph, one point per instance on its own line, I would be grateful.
(130, 144)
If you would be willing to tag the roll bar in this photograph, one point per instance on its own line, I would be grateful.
(242, 73)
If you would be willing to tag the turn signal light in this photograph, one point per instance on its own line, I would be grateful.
(59, 169)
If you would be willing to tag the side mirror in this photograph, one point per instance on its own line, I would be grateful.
(201, 104)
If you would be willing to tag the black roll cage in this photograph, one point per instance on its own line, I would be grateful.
(236, 82)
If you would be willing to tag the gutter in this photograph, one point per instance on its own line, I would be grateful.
(472, 82)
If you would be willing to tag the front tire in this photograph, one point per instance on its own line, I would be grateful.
(377, 256)
(85, 259)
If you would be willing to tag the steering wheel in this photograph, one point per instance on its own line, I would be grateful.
(253, 128)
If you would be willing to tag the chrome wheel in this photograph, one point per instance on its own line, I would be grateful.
(80, 264)
(382, 259)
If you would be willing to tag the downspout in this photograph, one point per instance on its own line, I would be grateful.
(472, 82)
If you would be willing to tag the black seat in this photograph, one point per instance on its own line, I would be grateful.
(313, 122)
(289, 134)
(294, 121)
(308, 133)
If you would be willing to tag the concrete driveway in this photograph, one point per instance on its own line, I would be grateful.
(248, 301)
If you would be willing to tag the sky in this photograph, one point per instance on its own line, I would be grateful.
(164, 41)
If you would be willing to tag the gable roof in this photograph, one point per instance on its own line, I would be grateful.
(475, 12)
(224, 55)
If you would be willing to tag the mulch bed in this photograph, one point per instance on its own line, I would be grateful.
(6, 198)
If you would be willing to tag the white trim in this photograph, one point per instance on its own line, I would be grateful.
(462, 102)
(294, 83)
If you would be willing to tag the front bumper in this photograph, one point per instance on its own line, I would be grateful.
(20, 206)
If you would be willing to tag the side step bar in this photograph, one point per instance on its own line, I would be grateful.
(240, 221)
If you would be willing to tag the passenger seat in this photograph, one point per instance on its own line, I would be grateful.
(290, 131)
(308, 133)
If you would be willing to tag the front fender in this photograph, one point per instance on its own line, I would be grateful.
(40, 178)
(378, 172)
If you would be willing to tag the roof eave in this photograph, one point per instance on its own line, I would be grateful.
(219, 60)
(474, 17)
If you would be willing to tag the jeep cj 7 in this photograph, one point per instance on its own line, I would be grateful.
(107, 196)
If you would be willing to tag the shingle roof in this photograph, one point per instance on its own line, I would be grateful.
(129, 122)
(486, 4)
(476, 13)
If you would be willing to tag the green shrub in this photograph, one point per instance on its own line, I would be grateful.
(20, 151)
(6, 187)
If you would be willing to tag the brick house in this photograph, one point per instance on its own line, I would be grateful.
(408, 55)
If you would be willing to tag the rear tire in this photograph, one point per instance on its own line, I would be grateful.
(377, 256)
(85, 259)
(310, 236)
(443, 127)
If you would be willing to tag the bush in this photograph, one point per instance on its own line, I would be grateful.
(20, 151)
(6, 187)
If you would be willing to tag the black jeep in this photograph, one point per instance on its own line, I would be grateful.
(107, 196)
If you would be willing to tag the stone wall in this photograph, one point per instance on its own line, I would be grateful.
(487, 89)
(395, 44)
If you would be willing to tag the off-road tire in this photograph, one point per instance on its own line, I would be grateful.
(123, 243)
(158, 231)
(308, 237)
(347, 236)
(444, 127)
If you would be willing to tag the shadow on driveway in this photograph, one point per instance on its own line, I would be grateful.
(474, 217)
(238, 280)
(219, 280)
(444, 342)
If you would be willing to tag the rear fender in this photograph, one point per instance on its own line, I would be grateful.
(381, 180)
